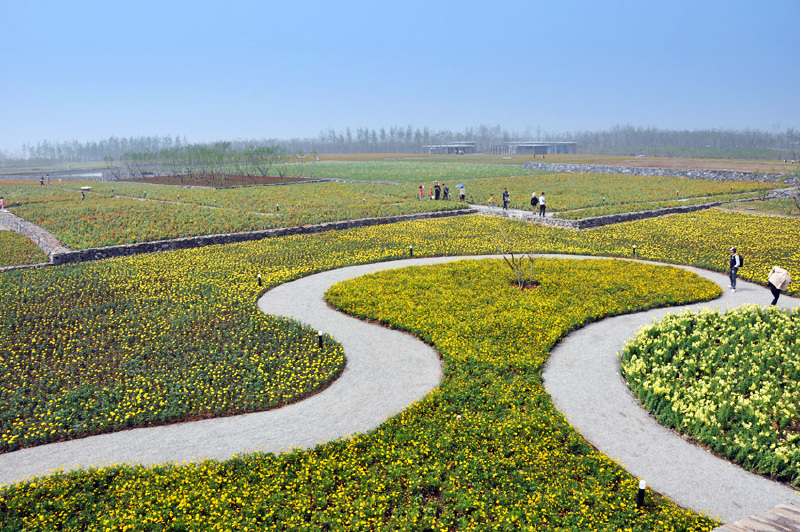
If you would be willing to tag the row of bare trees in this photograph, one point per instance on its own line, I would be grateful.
(214, 162)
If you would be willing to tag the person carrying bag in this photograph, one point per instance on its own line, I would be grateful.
(778, 280)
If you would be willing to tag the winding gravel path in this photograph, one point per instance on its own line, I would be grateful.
(46, 240)
(583, 378)
(387, 370)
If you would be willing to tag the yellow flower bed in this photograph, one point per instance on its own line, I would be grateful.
(731, 381)
(485, 451)
(153, 339)
(386, 470)
(16, 250)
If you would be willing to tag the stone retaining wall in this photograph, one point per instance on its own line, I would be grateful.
(208, 240)
(599, 221)
(714, 175)
(608, 219)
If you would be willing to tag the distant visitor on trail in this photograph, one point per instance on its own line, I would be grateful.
(534, 202)
(735, 263)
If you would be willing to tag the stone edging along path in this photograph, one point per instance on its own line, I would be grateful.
(387, 370)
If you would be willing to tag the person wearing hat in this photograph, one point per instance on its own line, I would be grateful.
(735, 264)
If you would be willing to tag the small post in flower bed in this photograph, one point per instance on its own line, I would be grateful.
(640, 495)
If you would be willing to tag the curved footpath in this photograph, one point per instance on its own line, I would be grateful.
(387, 370)
(583, 378)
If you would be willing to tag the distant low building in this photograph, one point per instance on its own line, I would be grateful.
(536, 148)
(454, 148)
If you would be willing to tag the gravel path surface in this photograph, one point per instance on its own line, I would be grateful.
(46, 240)
(582, 376)
(387, 370)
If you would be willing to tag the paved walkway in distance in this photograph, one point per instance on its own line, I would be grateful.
(582, 376)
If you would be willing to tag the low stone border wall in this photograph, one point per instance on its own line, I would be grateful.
(597, 221)
(784, 193)
(209, 240)
(609, 219)
(714, 175)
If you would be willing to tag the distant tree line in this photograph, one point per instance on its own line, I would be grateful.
(74, 151)
(213, 161)
(618, 140)
(703, 143)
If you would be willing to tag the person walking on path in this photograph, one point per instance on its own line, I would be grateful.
(505, 198)
(534, 202)
(446, 192)
(2, 203)
(437, 191)
(421, 192)
(542, 205)
(778, 280)
(491, 200)
(735, 264)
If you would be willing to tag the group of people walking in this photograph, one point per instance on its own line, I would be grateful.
(541, 201)
(439, 191)
(536, 201)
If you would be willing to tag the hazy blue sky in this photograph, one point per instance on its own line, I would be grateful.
(87, 70)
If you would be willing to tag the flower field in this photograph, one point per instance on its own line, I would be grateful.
(603, 210)
(15, 249)
(730, 381)
(116, 213)
(112, 345)
(417, 172)
(479, 453)
(597, 194)
(392, 477)
(779, 207)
